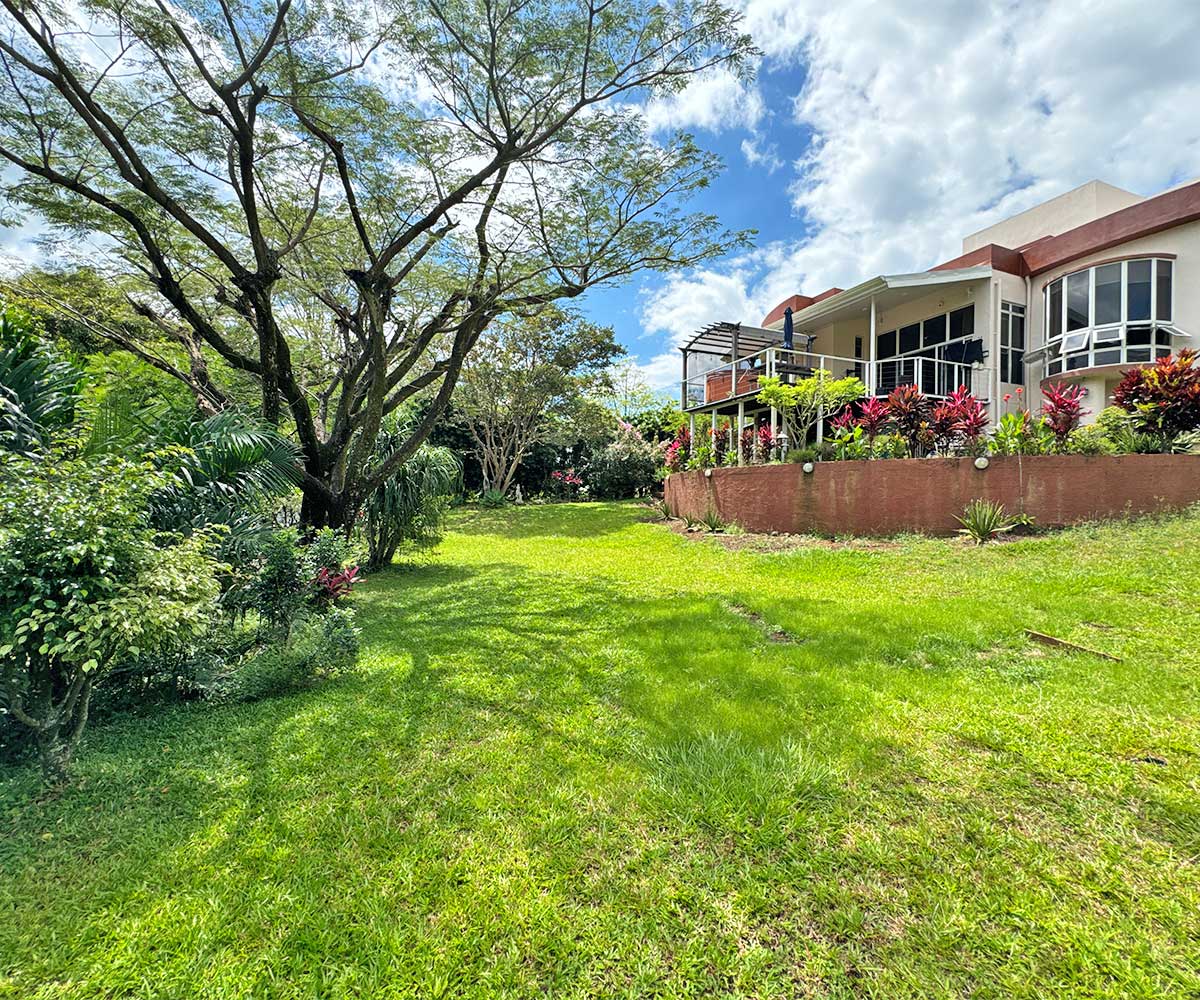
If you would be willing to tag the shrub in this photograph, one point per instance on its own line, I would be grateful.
(873, 417)
(280, 589)
(983, 520)
(850, 443)
(1090, 441)
(493, 499)
(1062, 411)
(802, 403)
(319, 647)
(679, 451)
(1164, 399)
(87, 586)
(1020, 433)
(566, 484)
(909, 411)
(627, 467)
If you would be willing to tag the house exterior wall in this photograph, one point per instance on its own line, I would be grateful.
(1181, 242)
(1058, 215)
(926, 495)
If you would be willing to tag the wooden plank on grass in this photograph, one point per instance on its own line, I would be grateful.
(1053, 640)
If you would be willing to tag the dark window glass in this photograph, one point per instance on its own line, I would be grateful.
(858, 347)
(910, 338)
(1017, 331)
(1137, 304)
(1017, 367)
(1138, 354)
(1162, 277)
(1077, 301)
(935, 330)
(1162, 352)
(1077, 361)
(962, 322)
(1054, 320)
(1162, 337)
(886, 345)
(1137, 335)
(1108, 357)
(1108, 294)
(1054, 367)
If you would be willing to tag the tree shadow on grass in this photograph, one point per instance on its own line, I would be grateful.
(526, 764)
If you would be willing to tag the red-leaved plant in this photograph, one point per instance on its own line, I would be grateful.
(872, 417)
(910, 410)
(1062, 410)
(1164, 398)
(332, 585)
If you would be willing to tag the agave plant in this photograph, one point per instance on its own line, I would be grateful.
(983, 520)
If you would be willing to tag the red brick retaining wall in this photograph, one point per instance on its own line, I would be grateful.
(889, 496)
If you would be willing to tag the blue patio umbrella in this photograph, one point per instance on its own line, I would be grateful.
(787, 328)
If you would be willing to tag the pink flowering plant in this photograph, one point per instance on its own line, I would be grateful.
(566, 484)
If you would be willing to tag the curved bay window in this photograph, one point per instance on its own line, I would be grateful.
(1110, 314)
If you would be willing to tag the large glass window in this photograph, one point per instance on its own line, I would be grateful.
(1012, 343)
(1114, 313)
(1078, 294)
(1162, 286)
(1108, 294)
(936, 353)
(1138, 302)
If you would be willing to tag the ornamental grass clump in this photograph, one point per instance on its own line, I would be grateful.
(983, 520)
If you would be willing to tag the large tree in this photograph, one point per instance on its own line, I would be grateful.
(530, 378)
(337, 199)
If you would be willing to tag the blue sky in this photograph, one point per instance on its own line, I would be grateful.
(877, 134)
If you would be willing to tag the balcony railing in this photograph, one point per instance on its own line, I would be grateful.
(739, 381)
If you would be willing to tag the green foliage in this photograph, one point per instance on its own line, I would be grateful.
(528, 382)
(328, 549)
(39, 389)
(409, 506)
(281, 589)
(628, 467)
(1128, 435)
(804, 402)
(317, 648)
(983, 520)
(1021, 433)
(86, 584)
(493, 499)
(1090, 440)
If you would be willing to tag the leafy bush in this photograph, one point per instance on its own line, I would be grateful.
(1020, 433)
(1124, 431)
(280, 590)
(1090, 440)
(983, 520)
(86, 586)
(1164, 399)
(493, 499)
(1062, 411)
(909, 411)
(319, 648)
(39, 388)
(802, 403)
(628, 467)
(679, 451)
(566, 484)
(410, 507)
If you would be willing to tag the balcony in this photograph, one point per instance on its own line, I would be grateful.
(725, 386)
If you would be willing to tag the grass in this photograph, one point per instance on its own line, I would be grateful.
(588, 757)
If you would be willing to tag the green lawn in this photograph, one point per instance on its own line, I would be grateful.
(581, 760)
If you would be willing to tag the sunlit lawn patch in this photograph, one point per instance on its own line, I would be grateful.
(580, 762)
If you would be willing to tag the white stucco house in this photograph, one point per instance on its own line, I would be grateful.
(1077, 289)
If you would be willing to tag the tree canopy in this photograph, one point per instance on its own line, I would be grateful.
(529, 380)
(337, 199)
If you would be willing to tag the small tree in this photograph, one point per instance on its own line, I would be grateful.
(808, 400)
(527, 379)
(86, 583)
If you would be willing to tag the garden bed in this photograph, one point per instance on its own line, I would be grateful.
(926, 495)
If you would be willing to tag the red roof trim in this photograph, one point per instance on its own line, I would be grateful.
(797, 302)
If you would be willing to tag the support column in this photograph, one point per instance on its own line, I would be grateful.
(733, 367)
(683, 388)
(873, 354)
(741, 420)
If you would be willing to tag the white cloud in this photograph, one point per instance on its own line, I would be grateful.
(933, 120)
(759, 153)
(714, 101)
